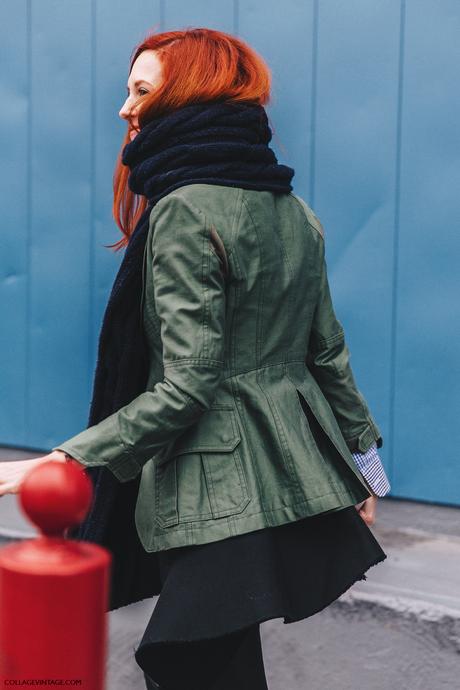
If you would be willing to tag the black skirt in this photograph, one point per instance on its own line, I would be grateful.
(291, 571)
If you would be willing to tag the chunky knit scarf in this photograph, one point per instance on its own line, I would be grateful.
(213, 143)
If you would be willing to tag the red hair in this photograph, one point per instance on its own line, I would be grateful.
(198, 65)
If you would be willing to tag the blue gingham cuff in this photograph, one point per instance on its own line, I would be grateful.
(370, 466)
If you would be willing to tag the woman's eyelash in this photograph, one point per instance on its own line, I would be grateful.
(141, 91)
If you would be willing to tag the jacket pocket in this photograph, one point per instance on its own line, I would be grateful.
(204, 479)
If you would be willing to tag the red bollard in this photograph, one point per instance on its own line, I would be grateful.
(54, 591)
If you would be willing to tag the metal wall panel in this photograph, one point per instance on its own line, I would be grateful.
(427, 327)
(354, 182)
(285, 37)
(60, 213)
(14, 230)
(178, 14)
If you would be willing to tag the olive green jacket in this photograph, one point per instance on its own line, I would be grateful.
(244, 346)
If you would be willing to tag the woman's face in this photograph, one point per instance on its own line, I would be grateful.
(145, 75)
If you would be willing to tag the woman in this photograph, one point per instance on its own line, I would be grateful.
(234, 460)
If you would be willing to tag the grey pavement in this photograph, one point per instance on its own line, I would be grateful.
(400, 628)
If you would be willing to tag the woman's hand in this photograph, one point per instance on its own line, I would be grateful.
(12, 473)
(367, 509)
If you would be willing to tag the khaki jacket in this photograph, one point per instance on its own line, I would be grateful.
(251, 409)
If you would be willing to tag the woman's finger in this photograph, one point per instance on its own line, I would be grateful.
(7, 489)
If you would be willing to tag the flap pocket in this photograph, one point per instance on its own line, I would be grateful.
(216, 430)
(204, 477)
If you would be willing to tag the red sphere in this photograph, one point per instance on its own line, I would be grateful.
(56, 496)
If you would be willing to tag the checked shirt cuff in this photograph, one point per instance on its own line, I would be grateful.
(370, 466)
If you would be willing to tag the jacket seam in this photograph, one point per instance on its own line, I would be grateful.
(306, 219)
(304, 215)
(260, 302)
(241, 414)
(188, 360)
(331, 340)
(205, 272)
(262, 285)
(264, 366)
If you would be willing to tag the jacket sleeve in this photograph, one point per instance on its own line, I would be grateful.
(189, 292)
(328, 359)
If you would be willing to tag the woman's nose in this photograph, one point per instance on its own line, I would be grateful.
(125, 109)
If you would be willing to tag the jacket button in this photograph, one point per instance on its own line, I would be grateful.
(225, 438)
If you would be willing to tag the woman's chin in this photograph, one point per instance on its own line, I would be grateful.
(133, 134)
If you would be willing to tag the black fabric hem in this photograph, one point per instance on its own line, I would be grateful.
(289, 619)
(258, 621)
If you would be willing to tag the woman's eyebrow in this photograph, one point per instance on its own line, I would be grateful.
(136, 83)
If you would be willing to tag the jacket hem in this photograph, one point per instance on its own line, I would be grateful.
(206, 531)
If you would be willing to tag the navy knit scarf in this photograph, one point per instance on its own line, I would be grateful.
(213, 143)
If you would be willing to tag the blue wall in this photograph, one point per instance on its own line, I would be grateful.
(365, 107)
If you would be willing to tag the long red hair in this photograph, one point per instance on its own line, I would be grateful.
(198, 65)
